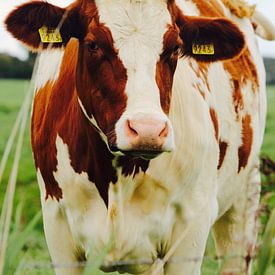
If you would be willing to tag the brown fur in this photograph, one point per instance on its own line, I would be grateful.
(240, 8)
(215, 122)
(247, 138)
(166, 67)
(223, 148)
(209, 8)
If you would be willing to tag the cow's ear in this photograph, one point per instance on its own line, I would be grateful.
(39, 24)
(210, 39)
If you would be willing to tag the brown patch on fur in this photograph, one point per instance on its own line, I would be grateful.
(131, 166)
(198, 87)
(241, 69)
(237, 96)
(44, 149)
(214, 119)
(166, 67)
(223, 148)
(201, 73)
(254, 25)
(209, 8)
(240, 8)
(212, 8)
(247, 138)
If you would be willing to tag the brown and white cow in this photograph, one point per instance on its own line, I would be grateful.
(143, 143)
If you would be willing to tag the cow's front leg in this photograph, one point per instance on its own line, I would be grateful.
(189, 242)
(235, 233)
(64, 254)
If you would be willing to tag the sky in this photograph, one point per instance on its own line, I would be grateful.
(11, 46)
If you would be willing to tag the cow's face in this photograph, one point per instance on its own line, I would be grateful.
(126, 64)
(128, 52)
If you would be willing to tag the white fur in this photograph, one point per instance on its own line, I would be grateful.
(49, 64)
(188, 7)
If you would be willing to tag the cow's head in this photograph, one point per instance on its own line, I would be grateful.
(128, 53)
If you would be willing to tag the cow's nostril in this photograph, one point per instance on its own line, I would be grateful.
(130, 130)
(147, 130)
(164, 131)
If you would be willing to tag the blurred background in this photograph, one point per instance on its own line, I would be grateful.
(11, 52)
(27, 252)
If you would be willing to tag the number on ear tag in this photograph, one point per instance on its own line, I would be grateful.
(49, 35)
(203, 49)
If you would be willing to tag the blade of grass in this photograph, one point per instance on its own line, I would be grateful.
(265, 254)
(94, 262)
(12, 183)
(18, 239)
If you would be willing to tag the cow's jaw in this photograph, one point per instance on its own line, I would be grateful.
(139, 44)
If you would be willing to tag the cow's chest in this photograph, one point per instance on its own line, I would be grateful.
(137, 223)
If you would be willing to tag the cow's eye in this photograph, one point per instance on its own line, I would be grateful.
(176, 49)
(93, 47)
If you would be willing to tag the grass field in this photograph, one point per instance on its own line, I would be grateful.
(27, 244)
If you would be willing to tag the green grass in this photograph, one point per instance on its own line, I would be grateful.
(268, 147)
(27, 229)
(27, 196)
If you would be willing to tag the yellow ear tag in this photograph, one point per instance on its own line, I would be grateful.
(203, 49)
(49, 35)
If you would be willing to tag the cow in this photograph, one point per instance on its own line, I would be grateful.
(147, 123)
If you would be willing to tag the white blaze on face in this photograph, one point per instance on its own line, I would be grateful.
(138, 29)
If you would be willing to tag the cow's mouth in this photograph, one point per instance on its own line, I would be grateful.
(144, 154)
(147, 155)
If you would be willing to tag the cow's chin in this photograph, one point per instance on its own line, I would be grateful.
(143, 154)
(146, 154)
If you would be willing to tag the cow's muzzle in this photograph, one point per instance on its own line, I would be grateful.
(145, 136)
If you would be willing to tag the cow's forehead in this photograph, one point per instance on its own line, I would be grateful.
(137, 27)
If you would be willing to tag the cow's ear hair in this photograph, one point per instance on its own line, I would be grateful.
(26, 20)
(210, 39)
